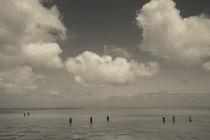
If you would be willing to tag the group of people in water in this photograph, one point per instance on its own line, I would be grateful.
(173, 119)
(26, 113)
(91, 119)
(107, 118)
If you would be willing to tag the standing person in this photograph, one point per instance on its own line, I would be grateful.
(173, 119)
(190, 118)
(70, 120)
(107, 118)
(24, 114)
(28, 113)
(91, 119)
(164, 119)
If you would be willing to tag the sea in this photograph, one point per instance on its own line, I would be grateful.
(126, 123)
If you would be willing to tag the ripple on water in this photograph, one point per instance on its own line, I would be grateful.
(78, 137)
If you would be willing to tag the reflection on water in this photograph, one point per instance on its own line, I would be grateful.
(124, 124)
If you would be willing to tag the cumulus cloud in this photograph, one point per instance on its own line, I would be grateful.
(115, 51)
(168, 35)
(206, 66)
(19, 79)
(91, 69)
(43, 55)
(28, 33)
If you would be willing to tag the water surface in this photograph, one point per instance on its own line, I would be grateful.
(131, 123)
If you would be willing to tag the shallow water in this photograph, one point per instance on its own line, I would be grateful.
(143, 123)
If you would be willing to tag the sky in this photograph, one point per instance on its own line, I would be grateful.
(74, 53)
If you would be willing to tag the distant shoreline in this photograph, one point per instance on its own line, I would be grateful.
(76, 108)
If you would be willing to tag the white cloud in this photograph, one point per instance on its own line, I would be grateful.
(206, 66)
(43, 55)
(92, 69)
(19, 79)
(28, 35)
(57, 92)
(168, 35)
(26, 26)
(115, 51)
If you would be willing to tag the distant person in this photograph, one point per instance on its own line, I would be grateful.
(28, 113)
(24, 114)
(190, 118)
(173, 119)
(70, 120)
(164, 119)
(107, 118)
(91, 119)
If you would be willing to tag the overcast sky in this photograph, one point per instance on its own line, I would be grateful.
(69, 53)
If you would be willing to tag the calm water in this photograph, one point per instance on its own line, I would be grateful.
(125, 124)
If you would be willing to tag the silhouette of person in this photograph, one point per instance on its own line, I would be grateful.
(107, 118)
(28, 113)
(190, 118)
(91, 119)
(164, 119)
(24, 114)
(173, 119)
(70, 120)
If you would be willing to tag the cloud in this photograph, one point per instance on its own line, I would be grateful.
(115, 51)
(57, 92)
(89, 68)
(206, 66)
(19, 79)
(26, 26)
(185, 82)
(168, 35)
(29, 33)
(43, 55)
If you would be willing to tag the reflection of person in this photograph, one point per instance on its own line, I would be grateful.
(107, 118)
(173, 119)
(190, 119)
(91, 119)
(70, 120)
(164, 119)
